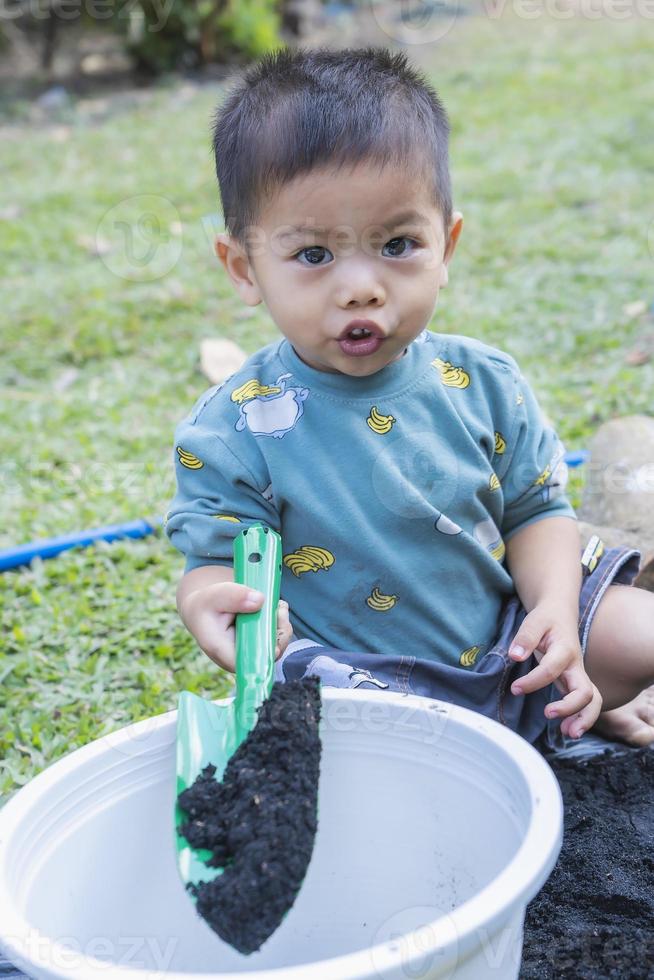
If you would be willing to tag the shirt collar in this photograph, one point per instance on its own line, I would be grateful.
(390, 379)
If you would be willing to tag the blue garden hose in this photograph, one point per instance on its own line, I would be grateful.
(576, 457)
(49, 547)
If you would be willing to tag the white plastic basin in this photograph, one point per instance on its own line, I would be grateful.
(436, 827)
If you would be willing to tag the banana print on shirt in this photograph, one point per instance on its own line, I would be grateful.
(308, 558)
(381, 424)
(469, 656)
(188, 460)
(554, 477)
(453, 377)
(380, 602)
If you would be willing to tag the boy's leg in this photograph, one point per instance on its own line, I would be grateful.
(620, 661)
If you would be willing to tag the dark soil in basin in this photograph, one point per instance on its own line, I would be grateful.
(594, 917)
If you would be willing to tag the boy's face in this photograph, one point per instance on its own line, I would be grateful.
(353, 260)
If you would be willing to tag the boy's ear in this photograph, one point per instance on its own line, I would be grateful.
(237, 265)
(456, 224)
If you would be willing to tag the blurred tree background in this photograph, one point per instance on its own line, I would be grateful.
(44, 41)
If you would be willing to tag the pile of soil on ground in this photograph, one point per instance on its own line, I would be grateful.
(594, 918)
(261, 820)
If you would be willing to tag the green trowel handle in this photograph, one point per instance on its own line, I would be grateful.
(257, 564)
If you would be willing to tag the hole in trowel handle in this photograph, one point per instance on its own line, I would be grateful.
(255, 556)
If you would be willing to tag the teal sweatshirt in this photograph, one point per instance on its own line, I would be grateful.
(394, 494)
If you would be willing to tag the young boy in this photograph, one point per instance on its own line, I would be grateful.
(420, 495)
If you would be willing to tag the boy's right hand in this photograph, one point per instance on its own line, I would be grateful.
(210, 612)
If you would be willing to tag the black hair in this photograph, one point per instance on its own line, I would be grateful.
(295, 109)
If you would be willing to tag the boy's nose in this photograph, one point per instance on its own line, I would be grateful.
(361, 289)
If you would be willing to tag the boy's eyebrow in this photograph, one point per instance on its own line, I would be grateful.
(404, 217)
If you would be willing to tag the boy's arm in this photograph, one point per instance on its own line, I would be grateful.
(531, 468)
(544, 561)
(218, 495)
(543, 550)
(217, 492)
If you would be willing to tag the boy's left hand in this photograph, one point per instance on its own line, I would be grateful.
(550, 633)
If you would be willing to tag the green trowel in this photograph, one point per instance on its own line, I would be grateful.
(248, 773)
(207, 733)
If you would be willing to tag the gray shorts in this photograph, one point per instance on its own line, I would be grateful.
(486, 687)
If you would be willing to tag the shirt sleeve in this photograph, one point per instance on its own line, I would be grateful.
(535, 474)
(217, 495)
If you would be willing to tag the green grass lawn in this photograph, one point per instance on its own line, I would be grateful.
(553, 168)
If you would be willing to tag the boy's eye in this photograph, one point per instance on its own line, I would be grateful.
(401, 240)
(314, 253)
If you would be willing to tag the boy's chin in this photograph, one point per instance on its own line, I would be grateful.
(355, 367)
(361, 367)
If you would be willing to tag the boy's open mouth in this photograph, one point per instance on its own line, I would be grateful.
(361, 338)
(360, 342)
(360, 327)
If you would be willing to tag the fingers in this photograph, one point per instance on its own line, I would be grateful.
(577, 724)
(579, 709)
(282, 614)
(217, 636)
(284, 628)
(209, 614)
(553, 663)
(217, 639)
(529, 635)
(581, 692)
(232, 597)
